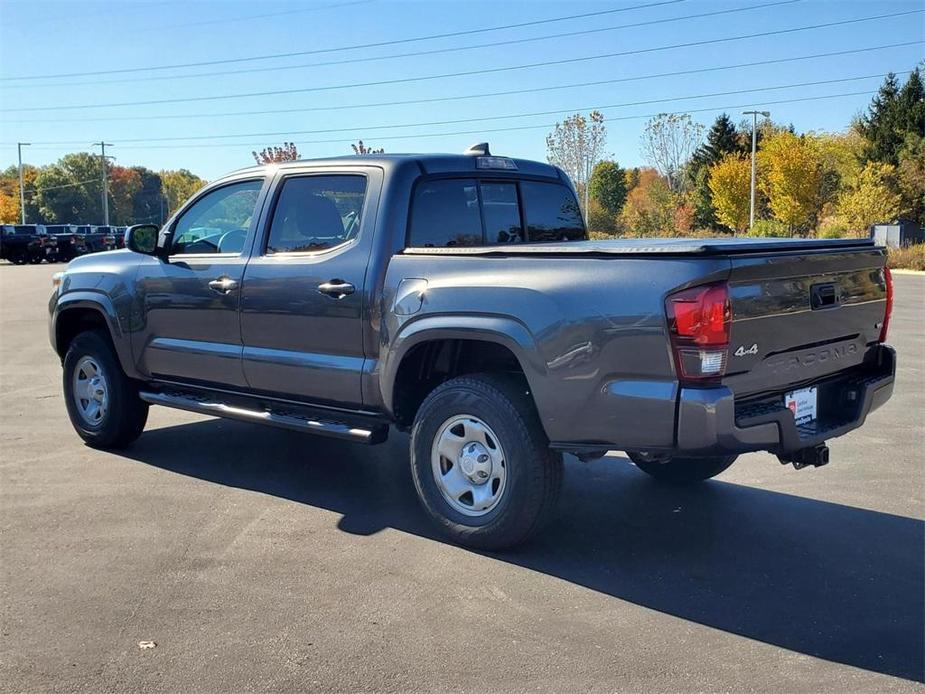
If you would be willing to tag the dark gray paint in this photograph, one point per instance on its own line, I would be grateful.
(586, 321)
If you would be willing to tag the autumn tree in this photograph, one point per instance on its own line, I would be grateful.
(360, 148)
(649, 207)
(873, 198)
(608, 187)
(275, 154)
(575, 146)
(730, 186)
(792, 175)
(124, 185)
(668, 142)
(178, 187)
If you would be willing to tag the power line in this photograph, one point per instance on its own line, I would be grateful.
(483, 132)
(564, 61)
(477, 95)
(366, 128)
(377, 44)
(33, 191)
(434, 51)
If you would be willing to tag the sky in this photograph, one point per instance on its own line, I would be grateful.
(73, 73)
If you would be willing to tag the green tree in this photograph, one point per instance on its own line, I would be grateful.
(911, 178)
(149, 204)
(70, 191)
(893, 114)
(608, 187)
(722, 139)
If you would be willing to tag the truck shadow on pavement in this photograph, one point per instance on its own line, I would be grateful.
(822, 579)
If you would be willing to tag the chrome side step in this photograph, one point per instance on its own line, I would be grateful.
(291, 418)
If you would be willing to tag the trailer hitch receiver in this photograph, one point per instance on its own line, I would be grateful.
(817, 456)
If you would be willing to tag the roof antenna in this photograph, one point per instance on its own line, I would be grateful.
(479, 150)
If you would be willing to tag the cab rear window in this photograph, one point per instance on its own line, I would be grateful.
(468, 212)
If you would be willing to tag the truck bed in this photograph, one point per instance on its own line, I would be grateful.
(654, 246)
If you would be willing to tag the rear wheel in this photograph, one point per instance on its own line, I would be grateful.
(680, 470)
(102, 402)
(481, 462)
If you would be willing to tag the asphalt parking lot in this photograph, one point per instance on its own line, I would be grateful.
(260, 560)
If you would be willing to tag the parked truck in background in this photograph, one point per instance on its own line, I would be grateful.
(457, 297)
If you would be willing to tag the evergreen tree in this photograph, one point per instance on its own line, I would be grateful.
(722, 139)
(894, 113)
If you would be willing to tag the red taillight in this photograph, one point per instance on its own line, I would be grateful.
(698, 321)
(888, 277)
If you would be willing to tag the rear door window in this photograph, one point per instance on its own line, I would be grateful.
(445, 213)
(315, 213)
(552, 212)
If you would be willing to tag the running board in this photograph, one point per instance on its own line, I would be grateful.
(294, 419)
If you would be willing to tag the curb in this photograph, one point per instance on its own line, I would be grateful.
(908, 272)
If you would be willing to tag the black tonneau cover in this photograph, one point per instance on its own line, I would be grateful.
(671, 246)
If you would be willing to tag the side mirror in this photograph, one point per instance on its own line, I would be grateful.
(142, 238)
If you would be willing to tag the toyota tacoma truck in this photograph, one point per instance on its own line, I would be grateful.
(458, 298)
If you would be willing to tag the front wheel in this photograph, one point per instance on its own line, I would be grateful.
(102, 402)
(679, 470)
(481, 462)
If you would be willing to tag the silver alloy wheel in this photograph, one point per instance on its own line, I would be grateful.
(91, 391)
(468, 464)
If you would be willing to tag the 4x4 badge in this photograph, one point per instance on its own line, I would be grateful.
(741, 351)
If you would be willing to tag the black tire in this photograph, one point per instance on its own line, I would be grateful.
(533, 471)
(677, 470)
(126, 413)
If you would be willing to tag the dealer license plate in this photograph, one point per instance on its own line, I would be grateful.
(803, 405)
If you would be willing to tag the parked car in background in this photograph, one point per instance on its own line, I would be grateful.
(119, 235)
(95, 239)
(25, 243)
(67, 244)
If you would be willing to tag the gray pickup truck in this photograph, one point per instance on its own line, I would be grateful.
(458, 297)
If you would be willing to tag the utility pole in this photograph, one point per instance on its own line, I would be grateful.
(754, 115)
(103, 146)
(22, 190)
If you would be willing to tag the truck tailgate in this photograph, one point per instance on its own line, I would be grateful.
(800, 316)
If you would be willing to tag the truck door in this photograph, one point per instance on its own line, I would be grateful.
(189, 303)
(305, 294)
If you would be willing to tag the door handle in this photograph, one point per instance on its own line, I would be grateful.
(223, 285)
(337, 289)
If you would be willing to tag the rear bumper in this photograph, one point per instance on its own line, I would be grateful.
(711, 421)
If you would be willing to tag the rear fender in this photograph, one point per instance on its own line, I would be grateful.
(501, 330)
